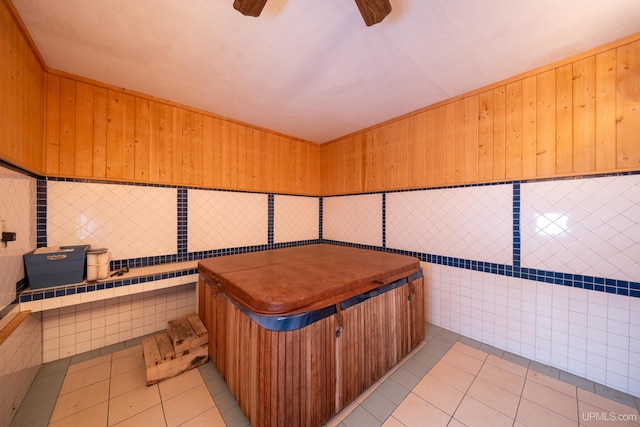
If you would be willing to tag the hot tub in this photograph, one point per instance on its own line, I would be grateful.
(298, 333)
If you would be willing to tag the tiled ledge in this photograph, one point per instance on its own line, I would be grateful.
(137, 280)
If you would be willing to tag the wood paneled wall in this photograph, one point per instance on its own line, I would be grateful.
(581, 116)
(99, 132)
(22, 77)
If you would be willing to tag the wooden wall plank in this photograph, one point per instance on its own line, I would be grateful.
(83, 134)
(405, 141)
(564, 119)
(584, 115)
(606, 110)
(115, 134)
(99, 152)
(233, 156)
(449, 142)
(529, 127)
(154, 141)
(471, 165)
(188, 147)
(628, 106)
(391, 155)
(546, 123)
(256, 159)
(499, 134)
(165, 144)
(485, 136)
(513, 130)
(52, 133)
(439, 119)
(128, 147)
(67, 126)
(197, 149)
(420, 155)
(141, 146)
(460, 162)
(207, 151)
(430, 173)
(241, 162)
(177, 136)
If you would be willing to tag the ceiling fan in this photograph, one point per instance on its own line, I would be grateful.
(372, 11)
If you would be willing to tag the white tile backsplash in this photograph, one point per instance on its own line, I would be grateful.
(131, 221)
(583, 226)
(226, 219)
(467, 222)
(295, 218)
(354, 219)
(17, 210)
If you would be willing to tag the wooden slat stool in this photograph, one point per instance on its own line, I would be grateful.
(183, 346)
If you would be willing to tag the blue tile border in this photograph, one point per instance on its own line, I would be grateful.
(320, 216)
(516, 225)
(384, 220)
(270, 218)
(80, 288)
(620, 287)
(183, 206)
(41, 213)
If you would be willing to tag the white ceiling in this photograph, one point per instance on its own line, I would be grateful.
(311, 68)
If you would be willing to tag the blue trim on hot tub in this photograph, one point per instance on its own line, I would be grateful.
(300, 320)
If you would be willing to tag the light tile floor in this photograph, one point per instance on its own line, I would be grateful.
(447, 381)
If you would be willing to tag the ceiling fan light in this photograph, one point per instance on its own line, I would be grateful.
(373, 11)
(249, 7)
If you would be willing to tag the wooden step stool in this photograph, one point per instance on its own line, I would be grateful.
(183, 346)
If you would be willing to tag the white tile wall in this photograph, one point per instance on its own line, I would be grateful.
(591, 334)
(225, 219)
(75, 329)
(583, 226)
(467, 222)
(20, 359)
(17, 209)
(295, 218)
(354, 219)
(131, 221)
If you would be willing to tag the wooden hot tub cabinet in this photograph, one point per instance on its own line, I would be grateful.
(298, 333)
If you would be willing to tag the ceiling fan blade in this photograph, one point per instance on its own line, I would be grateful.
(249, 7)
(373, 11)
